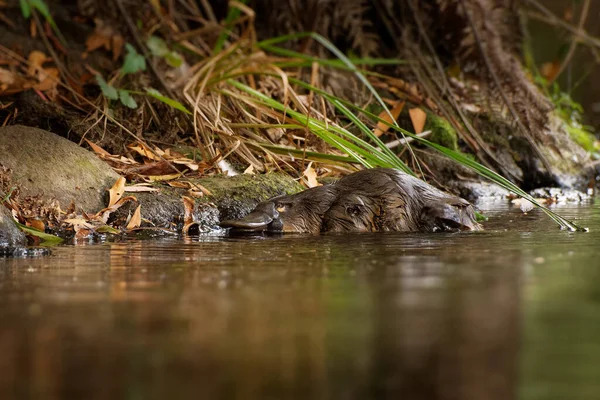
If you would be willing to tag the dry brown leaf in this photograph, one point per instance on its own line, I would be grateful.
(185, 161)
(100, 38)
(249, 170)
(36, 224)
(180, 184)
(311, 176)
(417, 117)
(35, 60)
(160, 178)
(116, 192)
(198, 187)
(78, 224)
(141, 188)
(11, 83)
(103, 214)
(145, 151)
(136, 219)
(82, 233)
(117, 46)
(48, 79)
(395, 111)
(188, 207)
(97, 149)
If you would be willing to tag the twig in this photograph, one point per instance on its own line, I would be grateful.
(402, 142)
(552, 19)
(573, 46)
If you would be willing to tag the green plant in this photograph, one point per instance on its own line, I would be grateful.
(27, 6)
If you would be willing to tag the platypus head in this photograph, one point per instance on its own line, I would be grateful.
(301, 212)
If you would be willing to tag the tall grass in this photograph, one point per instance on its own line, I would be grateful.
(230, 94)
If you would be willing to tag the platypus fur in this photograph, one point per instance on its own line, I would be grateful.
(372, 200)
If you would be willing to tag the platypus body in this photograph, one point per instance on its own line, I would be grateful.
(374, 200)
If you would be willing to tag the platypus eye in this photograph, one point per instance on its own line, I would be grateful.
(354, 209)
(280, 207)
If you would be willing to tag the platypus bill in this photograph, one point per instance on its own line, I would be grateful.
(374, 200)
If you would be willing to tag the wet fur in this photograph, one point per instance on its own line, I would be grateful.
(376, 200)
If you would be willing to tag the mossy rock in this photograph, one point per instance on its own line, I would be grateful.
(442, 132)
(45, 164)
(231, 198)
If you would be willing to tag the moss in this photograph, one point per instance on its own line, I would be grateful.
(582, 137)
(256, 187)
(570, 112)
(441, 132)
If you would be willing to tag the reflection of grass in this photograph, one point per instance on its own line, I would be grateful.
(561, 346)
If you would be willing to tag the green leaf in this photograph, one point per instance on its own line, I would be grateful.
(157, 46)
(174, 59)
(25, 8)
(232, 14)
(107, 229)
(108, 91)
(46, 238)
(134, 62)
(168, 101)
(126, 99)
(41, 7)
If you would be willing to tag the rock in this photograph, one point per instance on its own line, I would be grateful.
(561, 196)
(10, 234)
(232, 198)
(46, 164)
(480, 191)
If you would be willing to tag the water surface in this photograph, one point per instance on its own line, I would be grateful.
(510, 312)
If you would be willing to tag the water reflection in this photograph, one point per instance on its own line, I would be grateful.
(505, 313)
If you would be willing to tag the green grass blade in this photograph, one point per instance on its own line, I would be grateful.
(361, 151)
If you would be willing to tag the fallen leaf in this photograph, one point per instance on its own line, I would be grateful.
(136, 219)
(418, 117)
(204, 190)
(141, 188)
(381, 127)
(117, 46)
(116, 192)
(100, 38)
(107, 229)
(103, 214)
(180, 184)
(188, 207)
(311, 176)
(78, 224)
(11, 83)
(82, 233)
(144, 151)
(48, 79)
(249, 170)
(97, 149)
(160, 178)
(35, 60)
(36, 224)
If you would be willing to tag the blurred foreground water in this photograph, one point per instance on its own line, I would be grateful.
(510, 312)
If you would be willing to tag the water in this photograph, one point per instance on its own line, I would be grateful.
(511, 312)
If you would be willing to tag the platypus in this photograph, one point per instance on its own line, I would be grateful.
(372, 200)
